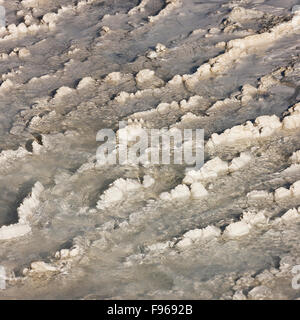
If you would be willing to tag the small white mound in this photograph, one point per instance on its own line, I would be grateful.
(127, 185)
(189, 117)
(210, 170)
(159, 48)
(198, 191)
(221, 104)
(30, 204)
(148, 181)
(243, 132)
(64, 254)
(181, 192)
(240, 162)
(42, 267)
(268, 125)
(176, 81)
(170, 5)
(291, 215)
(193, 101)
(14, 231)
(130, 132)
(211, 232)
(50, 17)
(240, 14)
(260, 293)
(114, 77)
(139, 8)
(23, 53)
(63, 92)
(197, 235)
(194, 235)
(85, 83)
(165, 196)
(122, 97)
(111, 196)
(278, 195)
(145, 75)
(238, 49)
(282, 193)
(255, 219)
(295, 189)
(184, 243)
(248, 89)
(237, 229)
(243, 227)
(160, 246)
(8, 156)
(29, 3)
(117, 192)
(293, 120)
(295, 158)
(147, 79)
(6, 85)
(263, 126)
(165, 108)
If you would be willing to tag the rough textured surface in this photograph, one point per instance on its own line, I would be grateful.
(71, 227)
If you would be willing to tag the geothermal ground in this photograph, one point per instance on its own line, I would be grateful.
(73, 228)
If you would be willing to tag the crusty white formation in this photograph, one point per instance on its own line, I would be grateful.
(263, 127)
(120, 189)
(26, 212)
